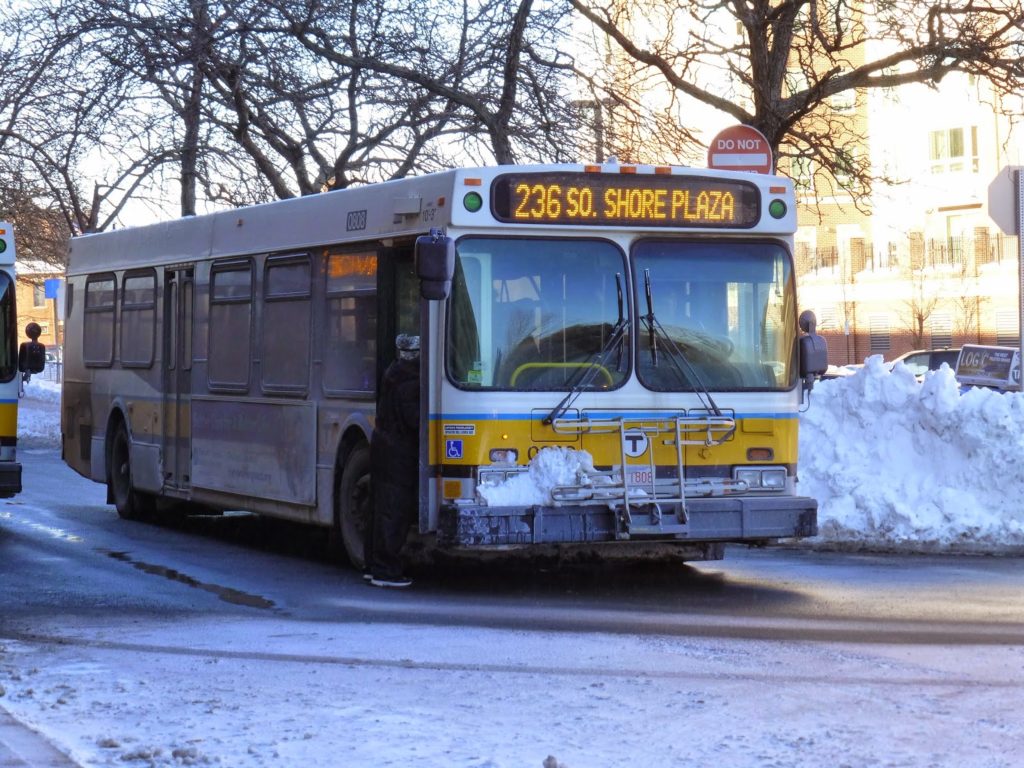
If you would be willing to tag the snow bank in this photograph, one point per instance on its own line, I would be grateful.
(899, 464)
(39, 414)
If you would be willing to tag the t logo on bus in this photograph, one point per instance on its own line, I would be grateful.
(634, 442)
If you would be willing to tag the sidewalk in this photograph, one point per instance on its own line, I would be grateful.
(21, 747)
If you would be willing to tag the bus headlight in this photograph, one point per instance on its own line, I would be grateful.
(773, 479)
(752, 477)
(761, 478)
(504, 455)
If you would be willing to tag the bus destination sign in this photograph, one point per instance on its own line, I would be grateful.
(598, 199)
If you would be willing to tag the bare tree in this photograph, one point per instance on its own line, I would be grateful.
(493, 70)
(920, 305)
(790, 67)
(42, 232)
(77, 137)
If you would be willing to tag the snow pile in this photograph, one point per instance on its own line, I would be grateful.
(897, 463)
(549, 469)
(39, 414)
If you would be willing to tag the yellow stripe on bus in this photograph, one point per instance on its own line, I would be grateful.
(8, 419)
(469, 442)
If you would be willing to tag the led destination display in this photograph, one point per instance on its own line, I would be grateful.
(618, 199)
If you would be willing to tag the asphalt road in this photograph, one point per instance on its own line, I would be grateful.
(65, 553)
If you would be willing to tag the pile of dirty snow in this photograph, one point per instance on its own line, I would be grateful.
(549, 469)
(895, 463)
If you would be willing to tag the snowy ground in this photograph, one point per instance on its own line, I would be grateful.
(895, 464)
(278, 693)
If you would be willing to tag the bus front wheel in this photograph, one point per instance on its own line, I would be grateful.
(354, 504)
(130, 504)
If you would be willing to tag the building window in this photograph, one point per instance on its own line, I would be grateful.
(802, 169)
(878, 328)
(827, 321)
(1006, 329)
(38, 295)
(954, 150)
(844, 101)
(942, 330)
(845, 167)
(796, 81)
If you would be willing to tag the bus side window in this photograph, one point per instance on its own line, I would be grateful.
(98, 331)
(350, 342)
(230, 326)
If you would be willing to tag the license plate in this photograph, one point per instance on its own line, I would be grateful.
(636, 477)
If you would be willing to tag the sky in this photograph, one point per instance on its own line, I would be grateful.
(897, 465)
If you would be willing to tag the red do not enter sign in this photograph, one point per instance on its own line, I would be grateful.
(740, 148)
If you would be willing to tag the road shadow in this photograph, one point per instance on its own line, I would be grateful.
(616, 576)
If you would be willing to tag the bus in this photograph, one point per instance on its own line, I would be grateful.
(15, 361)
(634, 327)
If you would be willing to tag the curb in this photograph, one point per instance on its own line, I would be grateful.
(23, 747)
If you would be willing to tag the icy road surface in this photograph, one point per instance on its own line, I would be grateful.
(233, 642)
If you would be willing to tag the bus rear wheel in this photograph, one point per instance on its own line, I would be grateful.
(130, 504)
(354, 504)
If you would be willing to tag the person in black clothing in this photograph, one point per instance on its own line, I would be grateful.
(394, 465)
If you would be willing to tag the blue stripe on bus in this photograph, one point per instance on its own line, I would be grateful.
(603, 413)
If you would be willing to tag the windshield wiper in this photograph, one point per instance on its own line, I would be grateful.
(586, 373)
(676, 354)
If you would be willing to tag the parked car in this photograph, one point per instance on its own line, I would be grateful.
(841, 371)
(920, 361)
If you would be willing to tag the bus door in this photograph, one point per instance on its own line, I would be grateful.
(400, 310)
(177, 436)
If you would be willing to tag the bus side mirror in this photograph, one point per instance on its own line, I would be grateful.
(813, 349)
(32, 354)
(435, 265)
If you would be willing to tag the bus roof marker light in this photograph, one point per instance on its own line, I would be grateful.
(777, 209)
(473, 202)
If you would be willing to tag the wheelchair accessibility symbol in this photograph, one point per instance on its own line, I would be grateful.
(453, 449)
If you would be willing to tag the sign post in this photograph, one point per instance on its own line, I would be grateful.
(1006, 208)
(740, 148)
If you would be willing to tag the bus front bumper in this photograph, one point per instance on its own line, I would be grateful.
(10, 479)
(752, 518)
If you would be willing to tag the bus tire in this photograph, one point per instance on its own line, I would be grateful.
(353, 504)
(130, 504)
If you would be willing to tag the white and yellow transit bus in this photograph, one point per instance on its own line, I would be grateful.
(14, 360)
(636, 323)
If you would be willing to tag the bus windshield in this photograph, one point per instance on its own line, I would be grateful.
(728, 308)
(535, 314)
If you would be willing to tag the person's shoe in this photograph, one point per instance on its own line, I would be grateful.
(367, 576)
(395, 582)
